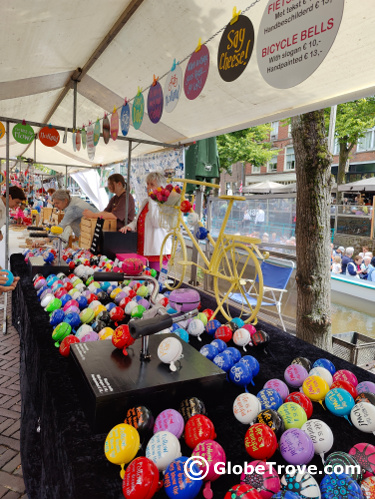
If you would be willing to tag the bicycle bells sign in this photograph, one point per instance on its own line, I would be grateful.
(23, 133)
(235, 48)
(49, 136)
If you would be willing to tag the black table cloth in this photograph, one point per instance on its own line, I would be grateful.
(62, 458)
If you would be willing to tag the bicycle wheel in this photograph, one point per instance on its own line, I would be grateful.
(235, 268)
(173, 245)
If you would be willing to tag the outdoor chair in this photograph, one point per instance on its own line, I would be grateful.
(275, 281)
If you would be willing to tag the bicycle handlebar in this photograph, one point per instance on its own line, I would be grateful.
(196, 182)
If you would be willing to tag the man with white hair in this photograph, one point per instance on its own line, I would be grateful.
(347, 258)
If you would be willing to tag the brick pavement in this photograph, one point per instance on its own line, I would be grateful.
(11, 481)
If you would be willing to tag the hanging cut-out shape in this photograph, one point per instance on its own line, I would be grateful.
(96, 132)
(49, 136)
(125, 118)
(155, 101)
(196, 72)
(65, 137)
(23, 133)
(90, 142)
(138, 109)
(84, 137)
(114, 124)
(172, 88)
(78, 140)
(2, 130)
(106, 129)
(235, 47)
(74, 141)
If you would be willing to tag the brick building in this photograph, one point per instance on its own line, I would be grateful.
(281, 168)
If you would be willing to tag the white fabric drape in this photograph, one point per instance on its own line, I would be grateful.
(89, 182)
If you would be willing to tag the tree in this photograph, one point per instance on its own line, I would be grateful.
(313, 172)
(246, 146)
(353, 119)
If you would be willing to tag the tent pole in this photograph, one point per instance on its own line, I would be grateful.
(74, 104)
(66, 177)
(7, 199)
(128, 182)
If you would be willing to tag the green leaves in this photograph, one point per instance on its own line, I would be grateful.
(246, 146)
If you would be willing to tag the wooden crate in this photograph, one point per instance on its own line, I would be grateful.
(88, 228)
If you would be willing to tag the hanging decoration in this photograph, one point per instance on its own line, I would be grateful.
(114, 124)
(138, 109)
(78, 140)
(2, 130)
(90, 142)
(2, 178)
(235, 47)
(49, 136)
(96, 132)
(106, 129)
(84, 137)
(74, 141)
(155, 101)
(125, 118)
(23, 133)
(172, 88)
(196, 71)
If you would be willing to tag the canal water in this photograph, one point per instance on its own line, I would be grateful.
(345, 319)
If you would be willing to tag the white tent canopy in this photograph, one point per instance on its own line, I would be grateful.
(112, 47)
(366, 184)
(268, 187)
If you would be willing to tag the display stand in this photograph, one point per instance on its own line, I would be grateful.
(109, 382)
(37, 265)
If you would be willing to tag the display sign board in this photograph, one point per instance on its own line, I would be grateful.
(125, 119)
(196, 73)
(49, 136)
(172, 89)
(2, 130)
(23, 133)
(138, 110)
(110, 382)
(294, 38)
(155, 103)
(235, 48)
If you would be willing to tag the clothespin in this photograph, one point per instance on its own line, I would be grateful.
(139, 91)
(199, 46)
(114, 110)
(105, 115)
(235, 15)
(174, 65)
(155, 80)
(23, 122)
(50, 126)
(125, 101)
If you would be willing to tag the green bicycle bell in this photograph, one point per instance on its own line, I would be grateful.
(138, 311)
(53, 305)
(60, 332)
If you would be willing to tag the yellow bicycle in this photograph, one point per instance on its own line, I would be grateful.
(234, 260)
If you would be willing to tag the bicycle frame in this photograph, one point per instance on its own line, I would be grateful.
(222, 239)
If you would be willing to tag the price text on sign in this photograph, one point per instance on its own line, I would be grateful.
(294, 38)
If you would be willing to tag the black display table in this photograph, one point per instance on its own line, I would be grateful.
(61, 457)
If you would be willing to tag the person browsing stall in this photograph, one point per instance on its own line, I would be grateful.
(73, 208)
(116, 206)
(148, 224)
(16, 197)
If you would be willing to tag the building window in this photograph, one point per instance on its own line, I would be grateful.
(274, 130)
(255, 169)
(272, 165)
(289, 131)
(290, 162)
(366, 143)
(336, 147)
